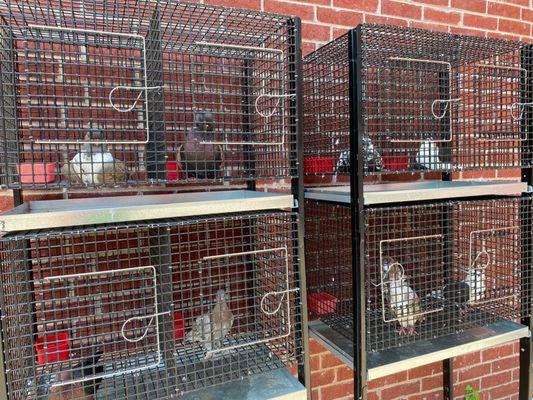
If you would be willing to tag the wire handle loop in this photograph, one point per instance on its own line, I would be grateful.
(271, 96)
(141, 91)
(446, 107)
(383, 282)
(521, 107)
(283, 292)
(151, 316)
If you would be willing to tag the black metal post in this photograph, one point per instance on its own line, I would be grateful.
(444, 93)
(526, 348)
(297, 188)
(247, 125)
(357, 212)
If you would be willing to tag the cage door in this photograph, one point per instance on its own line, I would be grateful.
(410, 268)
(80, 80)
(267, 316)
(113, 313)
(493, 270)
(419, 103)
(245, 86)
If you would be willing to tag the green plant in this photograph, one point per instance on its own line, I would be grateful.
(471, 394)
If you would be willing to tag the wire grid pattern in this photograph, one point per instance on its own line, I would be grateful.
(328, 263)
(430, 101)
(148, 310)
(430, 270)
(117, 93)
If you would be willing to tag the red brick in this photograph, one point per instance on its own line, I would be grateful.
(315, 394)
(464, 31)
(495, 353)
(372, 396)
(322, 377)
(496, 379)
(518, 27)
(315, 347)
(435, 395)
(499, 35)
(434, 2)
(248, 4)
(339, 17)
(360, 5)
(467, 360)
(479, 6)
(432, 382)
(307, 48)
(315, 32)
(524, 3)
(425, 370)
(398, 9)
(446, 17)
(338, 32)
(344, 373)
(478, 21)
(505, 364)
(504, 391)
(401, 391)
(304, 11)
(474, 372)
(429, 26)
(527, 14)
(316, 2)
(388, 380)
(484, 174)
(504, 10)
(328, 360)
(314, 362)
(6, 200)
(336, 391)
(379, 19)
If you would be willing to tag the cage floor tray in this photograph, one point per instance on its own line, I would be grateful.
(76, 212)
(213, 379)
(417, 191)
(397, 359)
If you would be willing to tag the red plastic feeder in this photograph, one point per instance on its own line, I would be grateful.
(173, 170)
(179, 326)
(319, 165)
(322, 303)
(52, 348)
(398, 163)
(37, 172)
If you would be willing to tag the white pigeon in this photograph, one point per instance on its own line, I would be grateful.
(211, 328)
(428, 157)
(475, 279)
(403, 302)
(94, 165)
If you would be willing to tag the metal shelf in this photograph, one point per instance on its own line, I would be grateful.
(77, 212)
(398, 359)
(273, 385)
(417, 191)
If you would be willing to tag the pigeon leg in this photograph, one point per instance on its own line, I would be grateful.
(402, 331)
(412, 331)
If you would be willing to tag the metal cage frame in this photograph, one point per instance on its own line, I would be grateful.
(164, 92)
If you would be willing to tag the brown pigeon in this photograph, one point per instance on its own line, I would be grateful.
(199, 159)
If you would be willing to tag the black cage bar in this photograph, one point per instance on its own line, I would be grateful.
(430, 101)
(114, 94)
(149, 310)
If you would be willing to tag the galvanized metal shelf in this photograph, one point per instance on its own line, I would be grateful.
(393, 360)
(273, 385)
(417, 191)
(77, 212)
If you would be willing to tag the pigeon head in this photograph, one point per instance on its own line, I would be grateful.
(96, 145)
(204, 121)
(392, 271)
(221, 296)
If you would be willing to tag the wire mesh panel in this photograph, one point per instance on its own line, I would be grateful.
(429, 101)
(114, 93)
(431, 270)
(144, 311)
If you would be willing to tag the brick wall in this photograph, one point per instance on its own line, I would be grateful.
(493, 371)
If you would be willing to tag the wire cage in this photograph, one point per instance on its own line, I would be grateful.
(115, 93)
(419, 100)
(431, 270)
(149, 310)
